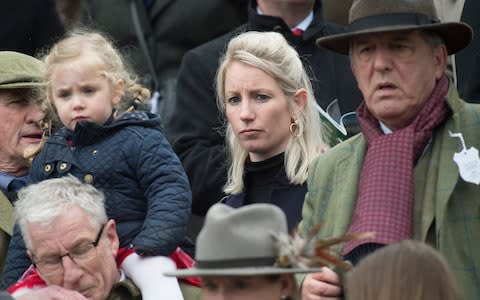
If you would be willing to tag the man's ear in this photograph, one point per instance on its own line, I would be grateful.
(118, 90)
(440, 56)
(111, 230)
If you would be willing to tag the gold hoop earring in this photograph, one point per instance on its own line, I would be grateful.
(295, 128)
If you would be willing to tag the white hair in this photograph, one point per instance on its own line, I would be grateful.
(44, 201)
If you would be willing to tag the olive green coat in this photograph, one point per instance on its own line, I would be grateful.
(446, 209)
(7, 219)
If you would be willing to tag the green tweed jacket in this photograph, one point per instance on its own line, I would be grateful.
(7, 220)
(446, 208)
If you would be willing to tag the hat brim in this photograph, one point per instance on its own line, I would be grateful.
(239, 271)
(21, 85)
(456, 35)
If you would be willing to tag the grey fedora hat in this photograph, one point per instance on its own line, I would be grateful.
(239, 242)
(377, 16)
(18, 70)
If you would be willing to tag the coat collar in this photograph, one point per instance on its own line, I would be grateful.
(88, 133)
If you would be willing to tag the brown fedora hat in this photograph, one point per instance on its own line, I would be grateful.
(377, 16)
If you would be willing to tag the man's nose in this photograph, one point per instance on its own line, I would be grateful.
(35, 113)
(71, 272)
(382, 59)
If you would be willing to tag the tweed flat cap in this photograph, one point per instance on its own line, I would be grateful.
(18, 70)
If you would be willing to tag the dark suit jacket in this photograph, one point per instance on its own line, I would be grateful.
(29, 25)
(171, 28)
(468, 60)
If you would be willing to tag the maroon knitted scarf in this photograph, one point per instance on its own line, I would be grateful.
(385, 197)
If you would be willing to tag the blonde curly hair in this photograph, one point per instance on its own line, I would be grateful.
(86, 43)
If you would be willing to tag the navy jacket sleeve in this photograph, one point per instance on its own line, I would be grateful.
(168, 195)
(17, 260)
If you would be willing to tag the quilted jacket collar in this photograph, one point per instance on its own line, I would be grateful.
(87, 133)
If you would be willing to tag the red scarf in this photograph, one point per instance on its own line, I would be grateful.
(385, 197)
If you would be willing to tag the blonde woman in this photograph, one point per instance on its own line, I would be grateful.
(272, 129)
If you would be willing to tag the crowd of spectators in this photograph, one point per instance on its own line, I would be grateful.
(124, 125)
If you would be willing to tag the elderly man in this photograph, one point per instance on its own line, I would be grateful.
(70, 241)
(413, 172)
(20, 114)
(72, 244)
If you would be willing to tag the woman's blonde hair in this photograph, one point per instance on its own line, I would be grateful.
(271, 53)
(102, 52)
(407, 270)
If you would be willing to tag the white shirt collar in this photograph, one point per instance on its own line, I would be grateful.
(306, 22)
(302, 25)
(384, 128)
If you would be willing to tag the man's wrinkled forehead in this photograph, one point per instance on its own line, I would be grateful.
(64, 231)
(23, 96)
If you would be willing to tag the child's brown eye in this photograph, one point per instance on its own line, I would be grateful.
(63, 94)
(89, 90)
